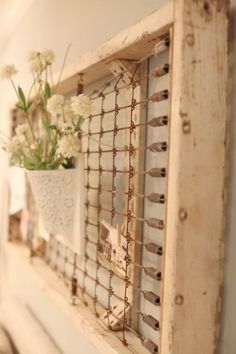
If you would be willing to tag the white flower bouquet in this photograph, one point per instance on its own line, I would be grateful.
(52, 140)
(47, 144)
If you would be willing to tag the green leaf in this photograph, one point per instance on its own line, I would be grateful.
(19, 106)
(80, 121)
(54, 165)
(46, 127)
(29, 104)
(22, 96)
(52, 152)
(52, 126)
(28, 165)
(68, 163)
(47, 90)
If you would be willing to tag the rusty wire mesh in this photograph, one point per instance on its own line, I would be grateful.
(120, 186)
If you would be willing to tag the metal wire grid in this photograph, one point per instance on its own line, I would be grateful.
(112, 154)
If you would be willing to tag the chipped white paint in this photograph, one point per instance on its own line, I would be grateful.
(196, 186)
(120, 66)
(132, 43)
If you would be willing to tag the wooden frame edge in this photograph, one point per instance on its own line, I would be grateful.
(131, 44)
(194, 250)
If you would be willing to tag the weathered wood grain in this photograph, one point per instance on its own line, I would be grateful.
(196, 186)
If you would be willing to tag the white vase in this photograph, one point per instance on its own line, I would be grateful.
(56, 196)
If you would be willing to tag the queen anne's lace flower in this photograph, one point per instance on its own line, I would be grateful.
(33, 55)
(66, 127)
(7, 72)
(68, 114)
(13, 145)
(69, 146)
(57, 137)
(21, 131)
(48, 56)
(35, 62)
(55, 104)
(36, 66)
(81, 105)
(39, 60)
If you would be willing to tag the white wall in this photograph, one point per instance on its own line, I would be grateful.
(86, 24)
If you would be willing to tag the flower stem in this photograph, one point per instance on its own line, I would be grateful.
(15, 89)
(34, 82)
(30, 125)
(63, 65)
(51, 76)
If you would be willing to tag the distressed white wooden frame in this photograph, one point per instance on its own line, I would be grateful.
(195, 210)
(133, 43)
(195, 215)
(194, 247)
